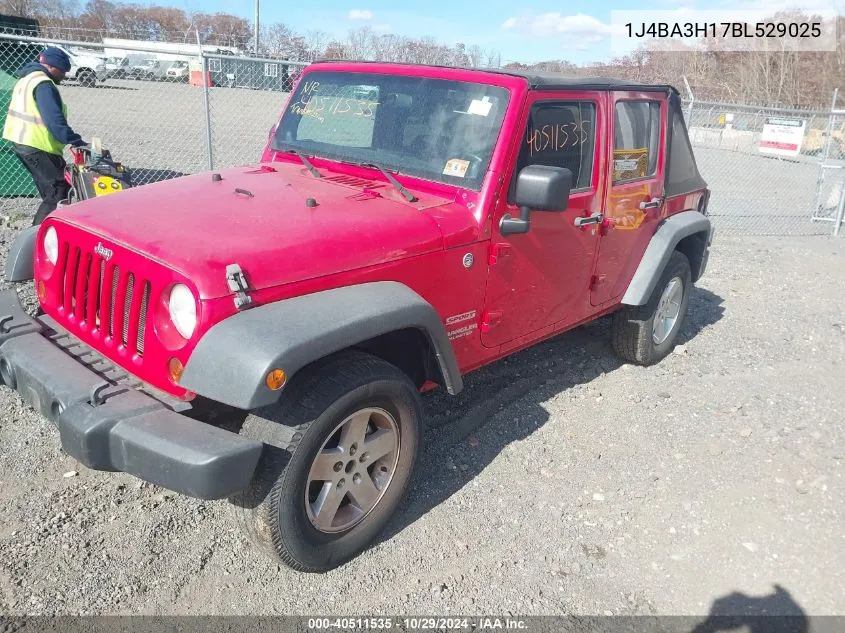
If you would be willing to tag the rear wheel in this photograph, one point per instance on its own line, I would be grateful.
(340, 449)
(646, 334)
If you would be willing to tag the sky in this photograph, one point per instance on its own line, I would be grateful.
(538, 30)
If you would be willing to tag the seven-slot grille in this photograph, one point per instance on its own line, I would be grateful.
(103, 296)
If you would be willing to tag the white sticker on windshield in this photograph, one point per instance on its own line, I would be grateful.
(625, 164)
(480, 106)
(456, 167)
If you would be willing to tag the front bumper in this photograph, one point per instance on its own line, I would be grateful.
(107, 425)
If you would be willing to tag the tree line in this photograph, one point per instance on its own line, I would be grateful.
(789, 79)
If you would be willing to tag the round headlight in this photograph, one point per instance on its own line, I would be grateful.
(51, 245)
(183, 310)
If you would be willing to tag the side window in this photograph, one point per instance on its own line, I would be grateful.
(636, 140)
(682, 167)
(560, 134)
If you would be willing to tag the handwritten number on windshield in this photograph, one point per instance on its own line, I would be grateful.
(311, 105)
(315, 107)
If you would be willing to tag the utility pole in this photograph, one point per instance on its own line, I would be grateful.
(256, 26)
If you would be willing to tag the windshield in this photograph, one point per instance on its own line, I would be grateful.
(437, 129)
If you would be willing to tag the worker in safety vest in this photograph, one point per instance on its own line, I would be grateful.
(37, 127)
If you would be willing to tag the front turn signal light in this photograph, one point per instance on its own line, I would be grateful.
(276, 379)
(175, 369)
(41, 289)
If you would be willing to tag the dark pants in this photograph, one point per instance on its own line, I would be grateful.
(47, 171)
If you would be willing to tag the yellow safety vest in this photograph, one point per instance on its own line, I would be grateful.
(24, 124)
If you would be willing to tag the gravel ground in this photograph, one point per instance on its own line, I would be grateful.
(560, 481)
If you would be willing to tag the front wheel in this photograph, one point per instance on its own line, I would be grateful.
(646, 334)
(340, 449)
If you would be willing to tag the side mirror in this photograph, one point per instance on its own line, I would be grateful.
(538, 188)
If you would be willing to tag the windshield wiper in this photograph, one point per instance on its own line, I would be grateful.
(304, 160)
(407, 194)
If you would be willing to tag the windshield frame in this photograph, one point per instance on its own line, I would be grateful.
(290, 120)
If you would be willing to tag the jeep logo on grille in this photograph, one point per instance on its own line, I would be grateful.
(102, 251)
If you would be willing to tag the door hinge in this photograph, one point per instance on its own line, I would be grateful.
(490, 320)
(498, 191)
(238, 284)
(498, 251)
(587, 221)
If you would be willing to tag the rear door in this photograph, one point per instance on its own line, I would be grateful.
(634, 201)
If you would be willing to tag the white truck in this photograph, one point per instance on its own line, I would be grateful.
(178, 71)
(86, 66)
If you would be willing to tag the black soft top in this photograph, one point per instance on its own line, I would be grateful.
(558, 81)
(537, 80)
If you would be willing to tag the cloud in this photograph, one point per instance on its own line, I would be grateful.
(785, 5)
(360, 14)
(553, 24)
(382, 28)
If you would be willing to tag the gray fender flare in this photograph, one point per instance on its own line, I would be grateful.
(21, 258)
(667, 236)
(231, 361)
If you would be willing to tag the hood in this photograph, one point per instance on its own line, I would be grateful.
(30, 67)
(262, 219)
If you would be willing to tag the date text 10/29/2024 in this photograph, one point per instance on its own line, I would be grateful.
(418, 623)
(725, 29)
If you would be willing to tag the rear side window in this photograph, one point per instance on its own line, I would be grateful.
(636, 140)
(560, 134)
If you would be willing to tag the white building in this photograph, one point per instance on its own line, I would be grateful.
(165, 51)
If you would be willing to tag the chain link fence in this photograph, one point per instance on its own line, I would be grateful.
(165, 110)
(772, 171)
(245, 101)
(162, 110)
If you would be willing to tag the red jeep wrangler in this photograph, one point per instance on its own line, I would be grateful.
(406, 225)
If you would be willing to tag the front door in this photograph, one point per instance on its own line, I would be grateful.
(634, 203)
(541, 279)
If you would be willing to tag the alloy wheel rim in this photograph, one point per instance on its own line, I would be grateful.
(668, 310)
(352, 470)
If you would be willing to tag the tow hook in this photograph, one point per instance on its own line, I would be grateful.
(237, 283)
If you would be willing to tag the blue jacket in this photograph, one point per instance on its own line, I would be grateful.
(49, 104)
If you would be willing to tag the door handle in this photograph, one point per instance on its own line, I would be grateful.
(596, 218)
(654, 203)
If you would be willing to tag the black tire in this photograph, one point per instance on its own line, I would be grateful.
(87, 79)
(272, 512)
(633, 326)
